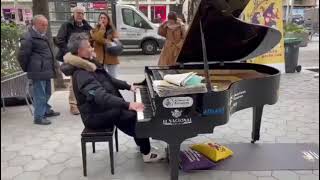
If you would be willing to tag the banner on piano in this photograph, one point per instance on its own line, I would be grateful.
(267, 13)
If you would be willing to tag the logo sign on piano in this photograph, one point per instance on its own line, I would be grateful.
(177, 102)
(176, 113)
(214, 111)
(176, 120)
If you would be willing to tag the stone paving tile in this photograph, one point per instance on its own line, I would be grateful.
(243, 175)
(58, 158)
(74, 162)
(266, 178)
(71, 174)
(285, 175)
(54, 152)
(28, 175)
(49, 178)
(53, 170)
(20, 160)
(261, 173)
(35, 165)
(5, 156)
(308, 177)
(11, 172)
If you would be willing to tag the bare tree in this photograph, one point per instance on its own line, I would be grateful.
(41, 7)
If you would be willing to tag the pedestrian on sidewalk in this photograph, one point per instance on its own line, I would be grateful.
(102, 34)
(76, 24)
(99, 100)
(174, 31)
(36, 58)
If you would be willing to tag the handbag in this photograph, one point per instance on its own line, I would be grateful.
(114, 48)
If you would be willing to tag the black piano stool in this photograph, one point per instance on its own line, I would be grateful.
(98, 135)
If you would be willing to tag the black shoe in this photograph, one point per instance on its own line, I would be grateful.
(52, 113)
(42, 121)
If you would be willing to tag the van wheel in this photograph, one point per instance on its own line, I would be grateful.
(149, 47)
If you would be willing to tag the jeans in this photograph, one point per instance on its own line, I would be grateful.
(112, 69)
(41, 96)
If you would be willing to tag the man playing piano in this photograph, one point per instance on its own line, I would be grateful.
(99, 100)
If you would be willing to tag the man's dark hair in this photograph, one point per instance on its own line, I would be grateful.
(76, 41)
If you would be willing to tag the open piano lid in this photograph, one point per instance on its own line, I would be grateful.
(227, 37)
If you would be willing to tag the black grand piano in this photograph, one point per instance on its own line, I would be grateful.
(216, 45)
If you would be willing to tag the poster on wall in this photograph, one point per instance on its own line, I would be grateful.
(268, 13)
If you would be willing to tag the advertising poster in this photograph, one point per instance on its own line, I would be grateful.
(267, 13)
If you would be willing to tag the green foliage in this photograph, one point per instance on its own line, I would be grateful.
(10, 35)
(294, 28)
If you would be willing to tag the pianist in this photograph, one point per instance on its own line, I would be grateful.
(99, 100)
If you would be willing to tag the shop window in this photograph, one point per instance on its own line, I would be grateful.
(20, 15)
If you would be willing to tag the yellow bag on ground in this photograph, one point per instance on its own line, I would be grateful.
(213, 151)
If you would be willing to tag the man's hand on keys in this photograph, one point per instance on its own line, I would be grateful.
(133, 88)
(136, 106)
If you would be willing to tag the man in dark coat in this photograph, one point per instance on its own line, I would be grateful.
(98, 96)
(76, 24)
(36, 58)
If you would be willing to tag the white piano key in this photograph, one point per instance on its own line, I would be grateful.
(138, 99)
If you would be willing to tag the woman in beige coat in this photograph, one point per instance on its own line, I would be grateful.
(174, 31)
(104, 33)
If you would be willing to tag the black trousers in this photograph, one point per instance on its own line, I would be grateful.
(124, 120)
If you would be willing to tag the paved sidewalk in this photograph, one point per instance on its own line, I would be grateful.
(33, 152)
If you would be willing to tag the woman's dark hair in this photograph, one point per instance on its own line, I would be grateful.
(172, 16)
(110, 24)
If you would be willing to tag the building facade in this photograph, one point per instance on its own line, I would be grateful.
(297, 7)
(156, 10)
(20, 11)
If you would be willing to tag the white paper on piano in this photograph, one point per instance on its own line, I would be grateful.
(179, 79)
(165, 89)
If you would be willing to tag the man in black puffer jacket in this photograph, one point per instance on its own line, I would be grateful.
(36, 58)
(77, 24)
(97, 93)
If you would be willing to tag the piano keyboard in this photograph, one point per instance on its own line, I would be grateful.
(141, 96)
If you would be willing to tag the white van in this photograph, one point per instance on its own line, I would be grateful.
(136, 31)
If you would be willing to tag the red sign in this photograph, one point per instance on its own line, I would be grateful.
(100, 5)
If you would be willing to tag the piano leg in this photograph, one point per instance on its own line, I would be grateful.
(174, 150)
(256, 123)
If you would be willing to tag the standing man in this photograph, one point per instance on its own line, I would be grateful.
(37, 59)
(76, 24)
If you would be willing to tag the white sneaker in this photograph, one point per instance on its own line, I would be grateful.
(153, 156)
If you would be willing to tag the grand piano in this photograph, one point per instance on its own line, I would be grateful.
(216, 47)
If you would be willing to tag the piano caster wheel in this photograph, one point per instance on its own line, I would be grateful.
(298, 68)
(253, 141)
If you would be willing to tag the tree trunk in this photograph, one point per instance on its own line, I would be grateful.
(41, 7)
(137, 4)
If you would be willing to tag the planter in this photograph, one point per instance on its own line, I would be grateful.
(303, 36)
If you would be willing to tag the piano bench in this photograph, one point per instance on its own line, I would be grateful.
(98, 135)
